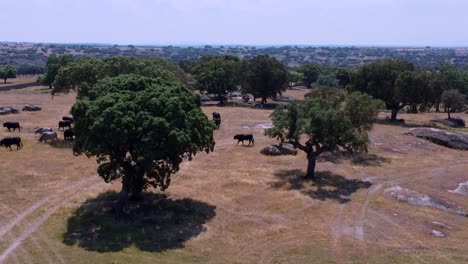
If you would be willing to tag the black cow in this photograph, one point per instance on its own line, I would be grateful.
(68, 134)
(14, 125)
(242, 137)
(217, 119)
(7, 142)
(67, 118)
(63, 124)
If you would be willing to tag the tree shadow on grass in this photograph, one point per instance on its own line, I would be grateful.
(326, 185)
(363, 159)
(154, 224)
(62, 144)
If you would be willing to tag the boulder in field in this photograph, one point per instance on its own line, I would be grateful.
(32, 108)
(271, 151)
(277, 150)
(286, 149)
(8, 110)
(441, 137)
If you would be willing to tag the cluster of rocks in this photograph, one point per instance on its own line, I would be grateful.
(441, 137)
(8, 110)
(281, 149)
(420, 199)
(451, 122)
(462, 189)
(31, 108)
(12, 110)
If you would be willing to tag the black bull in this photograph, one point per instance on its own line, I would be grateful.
(242, 137)
(7, 142)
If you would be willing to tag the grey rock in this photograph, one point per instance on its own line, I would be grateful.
(271, 150)
(421, 199)
(441, 137)
(8, 110)
(286, 149)
(437, 233)
(32, 108)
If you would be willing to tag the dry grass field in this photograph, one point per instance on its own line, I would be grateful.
(233, 205)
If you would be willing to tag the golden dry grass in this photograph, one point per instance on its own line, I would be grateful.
(264, 213)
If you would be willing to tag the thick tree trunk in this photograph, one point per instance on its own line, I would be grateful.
(138, 183)
(448, 112)
(394, 115)
(414, 109)
(437, 106)
(264, 100)
(123, 195)
(5, 80)
(311, 160)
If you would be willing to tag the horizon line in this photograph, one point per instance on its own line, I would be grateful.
(188, 44)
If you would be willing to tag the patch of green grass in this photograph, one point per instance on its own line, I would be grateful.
(453, 129)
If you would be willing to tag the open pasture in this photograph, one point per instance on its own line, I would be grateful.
(233, 205)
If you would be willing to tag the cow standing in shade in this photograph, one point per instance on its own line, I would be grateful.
(68, 134)
(67, 118)
(217, 119)
(63, 124)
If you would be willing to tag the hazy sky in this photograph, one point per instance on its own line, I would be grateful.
(253, 22)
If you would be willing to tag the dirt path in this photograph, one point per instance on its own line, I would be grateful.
(78, 189)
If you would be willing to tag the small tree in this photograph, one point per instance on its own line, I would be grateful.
(7, 72)
(140, 129)
(379, 80)
(264, 77)
(217, 75)
(325, 126)
(311, 73)
(453, 101)
(52, 67)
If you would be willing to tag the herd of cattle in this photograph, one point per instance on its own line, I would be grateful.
(46, 133)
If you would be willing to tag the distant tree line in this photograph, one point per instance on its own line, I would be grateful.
(398, 83)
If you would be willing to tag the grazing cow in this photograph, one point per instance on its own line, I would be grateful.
(43, 129)
(14, 125)
(217, 119)
(63, 124)
(7, 142)
(242, 137)
(68, 134)
(67, 118)
(48, 136)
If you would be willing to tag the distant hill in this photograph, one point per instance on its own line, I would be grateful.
(22, 54)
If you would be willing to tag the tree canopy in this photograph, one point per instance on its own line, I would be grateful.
(81, 74)
(217, 75)
(53, 65)
(379, 79)
(326, 123)
(264, 77)
(7, 72)
(140, 129)
(453, 101)
(311, 73)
